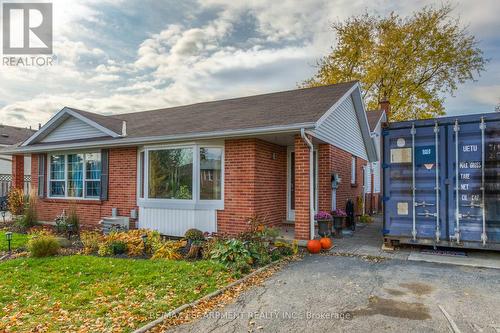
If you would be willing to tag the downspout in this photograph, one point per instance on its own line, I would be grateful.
(311, 180)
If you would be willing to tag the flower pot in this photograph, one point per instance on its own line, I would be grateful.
(323, 228)
(338, 223)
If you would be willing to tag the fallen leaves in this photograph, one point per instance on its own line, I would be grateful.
(217, 302)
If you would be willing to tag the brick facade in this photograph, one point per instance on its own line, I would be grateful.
(254, 184)
(18, 171)
(121, 194)
(332, 159)
(302, 189)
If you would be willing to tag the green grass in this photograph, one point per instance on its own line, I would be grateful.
(93, 294)
(18, 240)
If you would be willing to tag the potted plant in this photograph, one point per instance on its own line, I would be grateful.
(339, 216)
(323, 219)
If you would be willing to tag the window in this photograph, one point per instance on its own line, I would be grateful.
(353, 170)
(171, 174)
(75, 175)
(181, 176)
(210, 173)
(93, 175)
(141, 174)
(57, 176)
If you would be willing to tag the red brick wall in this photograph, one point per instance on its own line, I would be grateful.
(302, 189)
(335, 160)
(254, 184)
(18, 171)
(121, 194)
(271, 182)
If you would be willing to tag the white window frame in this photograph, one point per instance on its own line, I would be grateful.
(195, 202)
(49, 178)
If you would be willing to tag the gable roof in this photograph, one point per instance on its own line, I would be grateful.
(10, 135)
(297, 106)
(374, 117)
(285, 111)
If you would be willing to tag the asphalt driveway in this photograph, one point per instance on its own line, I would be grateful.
(351, 294)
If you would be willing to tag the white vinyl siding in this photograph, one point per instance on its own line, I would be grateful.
(73, 129)
(341, 129)
(376, 177)
(175, 222)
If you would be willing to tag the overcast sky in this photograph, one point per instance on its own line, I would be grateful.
(123, 56)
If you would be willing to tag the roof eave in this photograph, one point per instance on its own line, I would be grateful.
(131, 141)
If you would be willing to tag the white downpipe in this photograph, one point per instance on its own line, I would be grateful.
(311, 181)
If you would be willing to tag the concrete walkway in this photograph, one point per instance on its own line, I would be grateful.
(351, 294)
(367, 240)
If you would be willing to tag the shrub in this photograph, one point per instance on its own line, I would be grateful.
(90, 241)
(259, 253)
(233, 254)
(287, 249)
(118, 247)
(132, 239)
(365, 219)
(42, 245)
(16, 201)
(194, 235)
(30, 214)
(169, 250)
(73, 220)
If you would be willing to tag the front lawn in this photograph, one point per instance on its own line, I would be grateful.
(96, 294)
(18, 240)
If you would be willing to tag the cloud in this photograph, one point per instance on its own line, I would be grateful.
(120, 56)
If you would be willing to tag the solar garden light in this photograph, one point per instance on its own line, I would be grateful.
(3, 212)
(144, 238)
(8, 237)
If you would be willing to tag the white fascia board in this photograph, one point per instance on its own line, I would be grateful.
(359, 106)
(336, 105)
(355, 92)
(53, 121)
(128, 141)
(45, 127)
(93, 123)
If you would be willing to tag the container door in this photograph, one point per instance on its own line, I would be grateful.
(415, 189)
(474, 167)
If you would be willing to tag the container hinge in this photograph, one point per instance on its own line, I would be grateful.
(427, 214)
(423, 204)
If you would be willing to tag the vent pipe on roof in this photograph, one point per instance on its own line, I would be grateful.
(124, 128)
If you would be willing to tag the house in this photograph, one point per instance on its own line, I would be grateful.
(10, 135)
(373, 188)
(209, 165)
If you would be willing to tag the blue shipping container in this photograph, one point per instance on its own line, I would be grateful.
(442, 181)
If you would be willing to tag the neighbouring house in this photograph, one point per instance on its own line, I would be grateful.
(210, 166)
(10, 135)
(373, 188)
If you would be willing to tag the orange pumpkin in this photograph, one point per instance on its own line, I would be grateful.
(313, 246)
(326, 243)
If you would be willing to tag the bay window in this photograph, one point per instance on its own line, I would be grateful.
(171, 174)
(210, 173)
(183, 175)
(76, 175)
